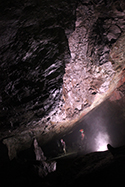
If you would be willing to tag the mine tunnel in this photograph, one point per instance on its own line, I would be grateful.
(62, 89)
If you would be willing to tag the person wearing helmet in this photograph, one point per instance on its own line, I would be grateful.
(82, 134)
(81, 140)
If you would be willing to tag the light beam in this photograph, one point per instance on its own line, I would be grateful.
(101, 141)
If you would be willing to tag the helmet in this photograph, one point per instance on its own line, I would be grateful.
(81, 130)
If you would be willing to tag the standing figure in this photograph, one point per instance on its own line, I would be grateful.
(63, 145)
(81, 140)
(82, 134)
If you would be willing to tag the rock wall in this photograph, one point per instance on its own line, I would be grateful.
(55, 65)
(98, 26)
(37, 38)
(33, 53)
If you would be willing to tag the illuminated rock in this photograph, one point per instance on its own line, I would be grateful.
(36, 99)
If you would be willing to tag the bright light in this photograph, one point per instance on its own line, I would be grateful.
(101, 141)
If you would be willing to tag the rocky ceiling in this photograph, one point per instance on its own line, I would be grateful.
(57, 61)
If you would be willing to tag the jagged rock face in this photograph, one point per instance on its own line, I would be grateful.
(90, 71)
(105, 31)
(33, 53)
(40, 41)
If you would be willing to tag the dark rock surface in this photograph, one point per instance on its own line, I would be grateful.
(98, 168)
(36, 41)
(58, 61)
(34, 49)
(54, 65)
(33, 53)
(44, 167)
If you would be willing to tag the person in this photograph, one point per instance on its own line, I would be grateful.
(63, 145)
(81, 140)
(82, 134)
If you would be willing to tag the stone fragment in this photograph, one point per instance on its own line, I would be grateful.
(114, 32)
(44, 167)
(78, 106)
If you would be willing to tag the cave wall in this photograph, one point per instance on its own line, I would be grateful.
(108, 25)
(34, 50)
(33, 53)
(90, 71)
